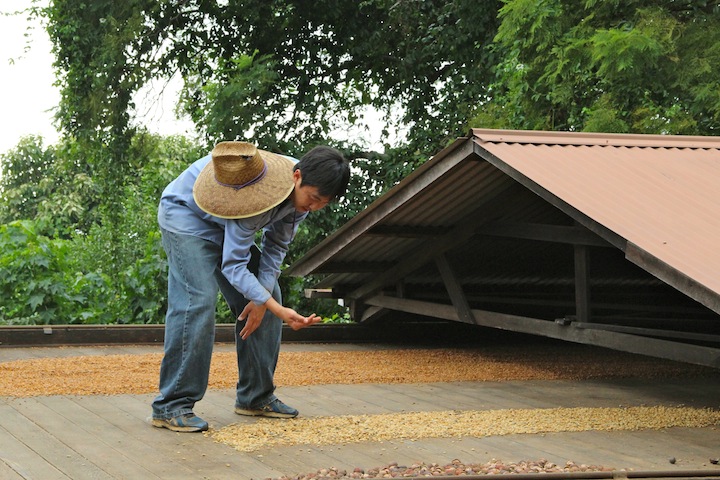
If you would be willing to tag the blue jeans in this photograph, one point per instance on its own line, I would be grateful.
(194, 278)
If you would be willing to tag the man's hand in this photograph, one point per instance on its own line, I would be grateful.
(297, 321)
(254, 315)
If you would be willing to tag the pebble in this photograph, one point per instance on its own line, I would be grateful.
(455, 468)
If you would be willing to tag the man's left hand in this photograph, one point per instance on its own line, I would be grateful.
(254, 315)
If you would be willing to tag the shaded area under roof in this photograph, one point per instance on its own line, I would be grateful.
(596, 238)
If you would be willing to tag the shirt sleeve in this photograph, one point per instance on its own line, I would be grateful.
(239, 238)
(274, 246)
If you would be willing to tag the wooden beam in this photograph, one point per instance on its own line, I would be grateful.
(373, 314)
(400, 289)
(574, 235)
(353, 267)
(427, 251)
(405, 231)
(454, 288)
(416, 182)
(320, 293)
(654, 332)
(653, 347)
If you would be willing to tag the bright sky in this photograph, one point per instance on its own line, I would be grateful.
(26, 77)
(27, 94)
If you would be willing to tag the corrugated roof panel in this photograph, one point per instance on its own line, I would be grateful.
(451, 197)
(664, 200)
(372, 248)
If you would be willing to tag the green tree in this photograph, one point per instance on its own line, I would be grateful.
(39, 284)
(128, 249)
(285, 74)
(642, 66)
(111, 271)
(23, 170)
(91, 42)
(49, 186)
(288, 75)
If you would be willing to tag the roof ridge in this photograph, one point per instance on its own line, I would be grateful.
(591, 138)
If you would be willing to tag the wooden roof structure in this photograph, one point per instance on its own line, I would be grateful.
(604, 239)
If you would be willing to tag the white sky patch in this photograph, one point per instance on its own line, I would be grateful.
(27, 94)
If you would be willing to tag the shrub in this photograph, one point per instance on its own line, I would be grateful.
(38, 285)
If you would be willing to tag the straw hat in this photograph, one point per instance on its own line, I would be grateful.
(242, 181)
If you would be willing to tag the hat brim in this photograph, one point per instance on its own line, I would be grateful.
(227, 202)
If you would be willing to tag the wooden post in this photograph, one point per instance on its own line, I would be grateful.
(582, 283)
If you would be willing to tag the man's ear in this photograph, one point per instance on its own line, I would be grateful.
(297, 177)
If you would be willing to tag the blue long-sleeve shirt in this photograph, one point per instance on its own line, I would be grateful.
(179, 213)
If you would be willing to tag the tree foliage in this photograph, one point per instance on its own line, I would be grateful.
(641, 66)
(61, 262)
(49, 185)
(39, 285)
(77, 220)
(286, 74)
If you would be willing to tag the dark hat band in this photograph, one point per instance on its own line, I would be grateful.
(259, 177)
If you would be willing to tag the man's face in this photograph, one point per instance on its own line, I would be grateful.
(306, 198)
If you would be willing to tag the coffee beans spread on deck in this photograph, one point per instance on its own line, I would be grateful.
(138, 374)
(267, 433)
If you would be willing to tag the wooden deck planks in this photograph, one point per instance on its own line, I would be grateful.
(8, 472)
(131, 434)
(24, 447)
(63, 437)
(80, 438)
(344, 400)
(350, 457)
(36, 426)
(379, 398)
(687, 445)
(298, 459)
(197, 454)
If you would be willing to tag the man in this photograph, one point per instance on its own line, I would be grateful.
(209, 217)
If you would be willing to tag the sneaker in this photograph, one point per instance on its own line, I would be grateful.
(182, 423)
(274, 409)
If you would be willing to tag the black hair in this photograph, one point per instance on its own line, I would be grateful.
(327, 169)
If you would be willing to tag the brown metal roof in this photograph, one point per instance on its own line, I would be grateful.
(659, 193)
(515, 229)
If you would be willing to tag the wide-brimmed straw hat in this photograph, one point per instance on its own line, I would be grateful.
(242, 181)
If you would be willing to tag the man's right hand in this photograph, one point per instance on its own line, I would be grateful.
(297, 321)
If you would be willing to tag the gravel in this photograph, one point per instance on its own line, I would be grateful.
(454, 468)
